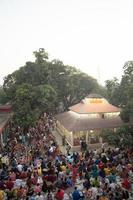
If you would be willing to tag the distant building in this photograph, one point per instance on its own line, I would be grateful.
(5, 116)
(85, 120)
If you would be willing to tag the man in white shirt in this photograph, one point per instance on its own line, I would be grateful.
(20, 167)
(94, 192)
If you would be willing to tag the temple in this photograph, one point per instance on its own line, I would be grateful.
(86, 120)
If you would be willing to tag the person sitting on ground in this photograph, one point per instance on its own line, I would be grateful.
(59, 194)
(76, 194)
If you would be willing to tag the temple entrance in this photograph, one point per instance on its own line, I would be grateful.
(94, 137)
(78, 137)
(90, 137)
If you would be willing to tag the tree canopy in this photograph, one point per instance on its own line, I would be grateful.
(122, 137)
(42, 85)
(121, 94)
(3, 96)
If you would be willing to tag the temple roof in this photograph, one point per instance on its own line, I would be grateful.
(75, 122)
(5, 115)
(5, 108)
(79, 117)
(94, 103)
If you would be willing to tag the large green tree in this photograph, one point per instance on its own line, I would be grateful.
(113, 89)
(41, 86)
(122, 137)
(72, 85)
(126, 92)
(121, 94)
(3, 96)
(30, 101)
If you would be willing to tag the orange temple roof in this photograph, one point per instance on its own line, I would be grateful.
(94, 105)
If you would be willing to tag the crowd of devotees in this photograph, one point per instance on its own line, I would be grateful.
(32, 167)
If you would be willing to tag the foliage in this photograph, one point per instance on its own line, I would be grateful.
(29, 102)
(40, 56)
(110, 136)
(121, 94)
(122, 137)
(3, 96)
(126, 91)
(42, 85)
(112, 88)
(77, 85)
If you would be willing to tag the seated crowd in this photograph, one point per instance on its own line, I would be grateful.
(32, 167)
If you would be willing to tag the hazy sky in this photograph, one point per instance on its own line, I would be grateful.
(93, 35)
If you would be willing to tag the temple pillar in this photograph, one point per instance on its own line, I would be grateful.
(87, 133)
(100, 140)
(72, 138)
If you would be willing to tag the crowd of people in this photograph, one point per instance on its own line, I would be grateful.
(32, 167)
